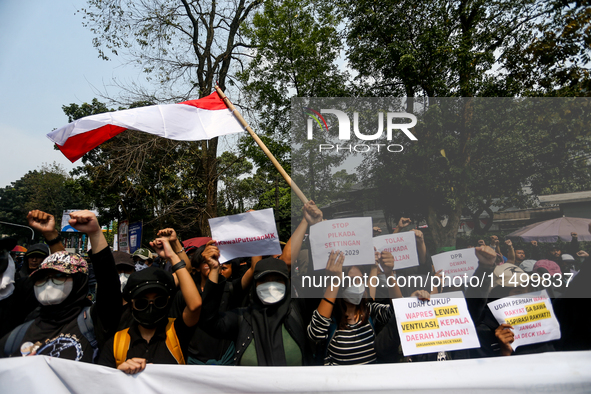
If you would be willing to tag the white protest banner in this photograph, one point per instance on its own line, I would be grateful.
(246, 234)
(548, 373)
(456, 263)
(440, 324)
(403, 247)
(352, 236)
(531, 316)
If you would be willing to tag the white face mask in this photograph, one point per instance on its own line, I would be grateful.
(140, 266)
(271, 292)
(52, 294)
(123, 277)
(354, 294)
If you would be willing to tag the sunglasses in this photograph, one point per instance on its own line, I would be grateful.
(140, 304)
(58, 279)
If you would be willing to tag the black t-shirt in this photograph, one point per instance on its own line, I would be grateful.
(66, 340)
(155, 351)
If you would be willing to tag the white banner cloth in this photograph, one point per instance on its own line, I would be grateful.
(548, 373)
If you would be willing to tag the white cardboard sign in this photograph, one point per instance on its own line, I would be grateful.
(440, 324)
(246, 234)
(352, 236)
(531, 316)
(456, 262)
(403, 247)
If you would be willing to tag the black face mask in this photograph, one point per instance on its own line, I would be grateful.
(149, 317)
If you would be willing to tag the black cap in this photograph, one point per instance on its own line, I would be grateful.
(37, 250)
(122, 258)
(148, 280)
(270, 265)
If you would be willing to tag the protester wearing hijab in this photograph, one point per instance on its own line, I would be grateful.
(270, 331)
(67, 326)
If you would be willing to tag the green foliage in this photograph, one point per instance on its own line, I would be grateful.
(49, 189)
(137, 176)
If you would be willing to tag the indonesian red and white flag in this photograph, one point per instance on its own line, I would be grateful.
(193, 120)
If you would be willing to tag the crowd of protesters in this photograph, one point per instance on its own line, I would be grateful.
(172, 305)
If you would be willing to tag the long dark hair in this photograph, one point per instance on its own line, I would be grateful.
(340, 310)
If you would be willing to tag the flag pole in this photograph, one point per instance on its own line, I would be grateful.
(287, 178)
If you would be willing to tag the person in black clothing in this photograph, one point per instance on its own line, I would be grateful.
(153, 337)
(67, 326)
(270, 331)
(7, 288)
(205, 349)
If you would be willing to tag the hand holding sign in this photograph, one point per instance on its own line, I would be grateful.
(530, 316)
(386, 261)
(246, 234)
(505, 337)
(402, 246)
(352, 236)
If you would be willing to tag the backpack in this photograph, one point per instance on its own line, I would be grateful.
(85, 325)
(122, 341)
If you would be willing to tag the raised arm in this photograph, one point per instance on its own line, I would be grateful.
(188, 289)
(334, 269)
(45, 224)
(386, 261)
(421, 247)
(176, 245)
(510, 252)
(108, 298)
(312, 215)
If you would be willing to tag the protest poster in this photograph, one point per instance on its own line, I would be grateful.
(403, 247)
(352, 236)
(440, 324)
(246, 234)
(123, 236)
(531, 316)
(456, 262)
(135, 236)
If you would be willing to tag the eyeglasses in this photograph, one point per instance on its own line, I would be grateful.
(140, 304)
(58, 279)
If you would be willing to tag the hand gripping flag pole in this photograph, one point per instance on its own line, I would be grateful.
(287, 178)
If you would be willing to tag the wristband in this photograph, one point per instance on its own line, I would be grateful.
(178, 266)
(180, 251)
(330, 302)
(54, 241)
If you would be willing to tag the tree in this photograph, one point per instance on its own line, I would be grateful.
(462, 48)
(297, 46)
(49, 189)
(184, 46)
(135, 176)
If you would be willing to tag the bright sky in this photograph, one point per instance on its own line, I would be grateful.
(46, 60)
